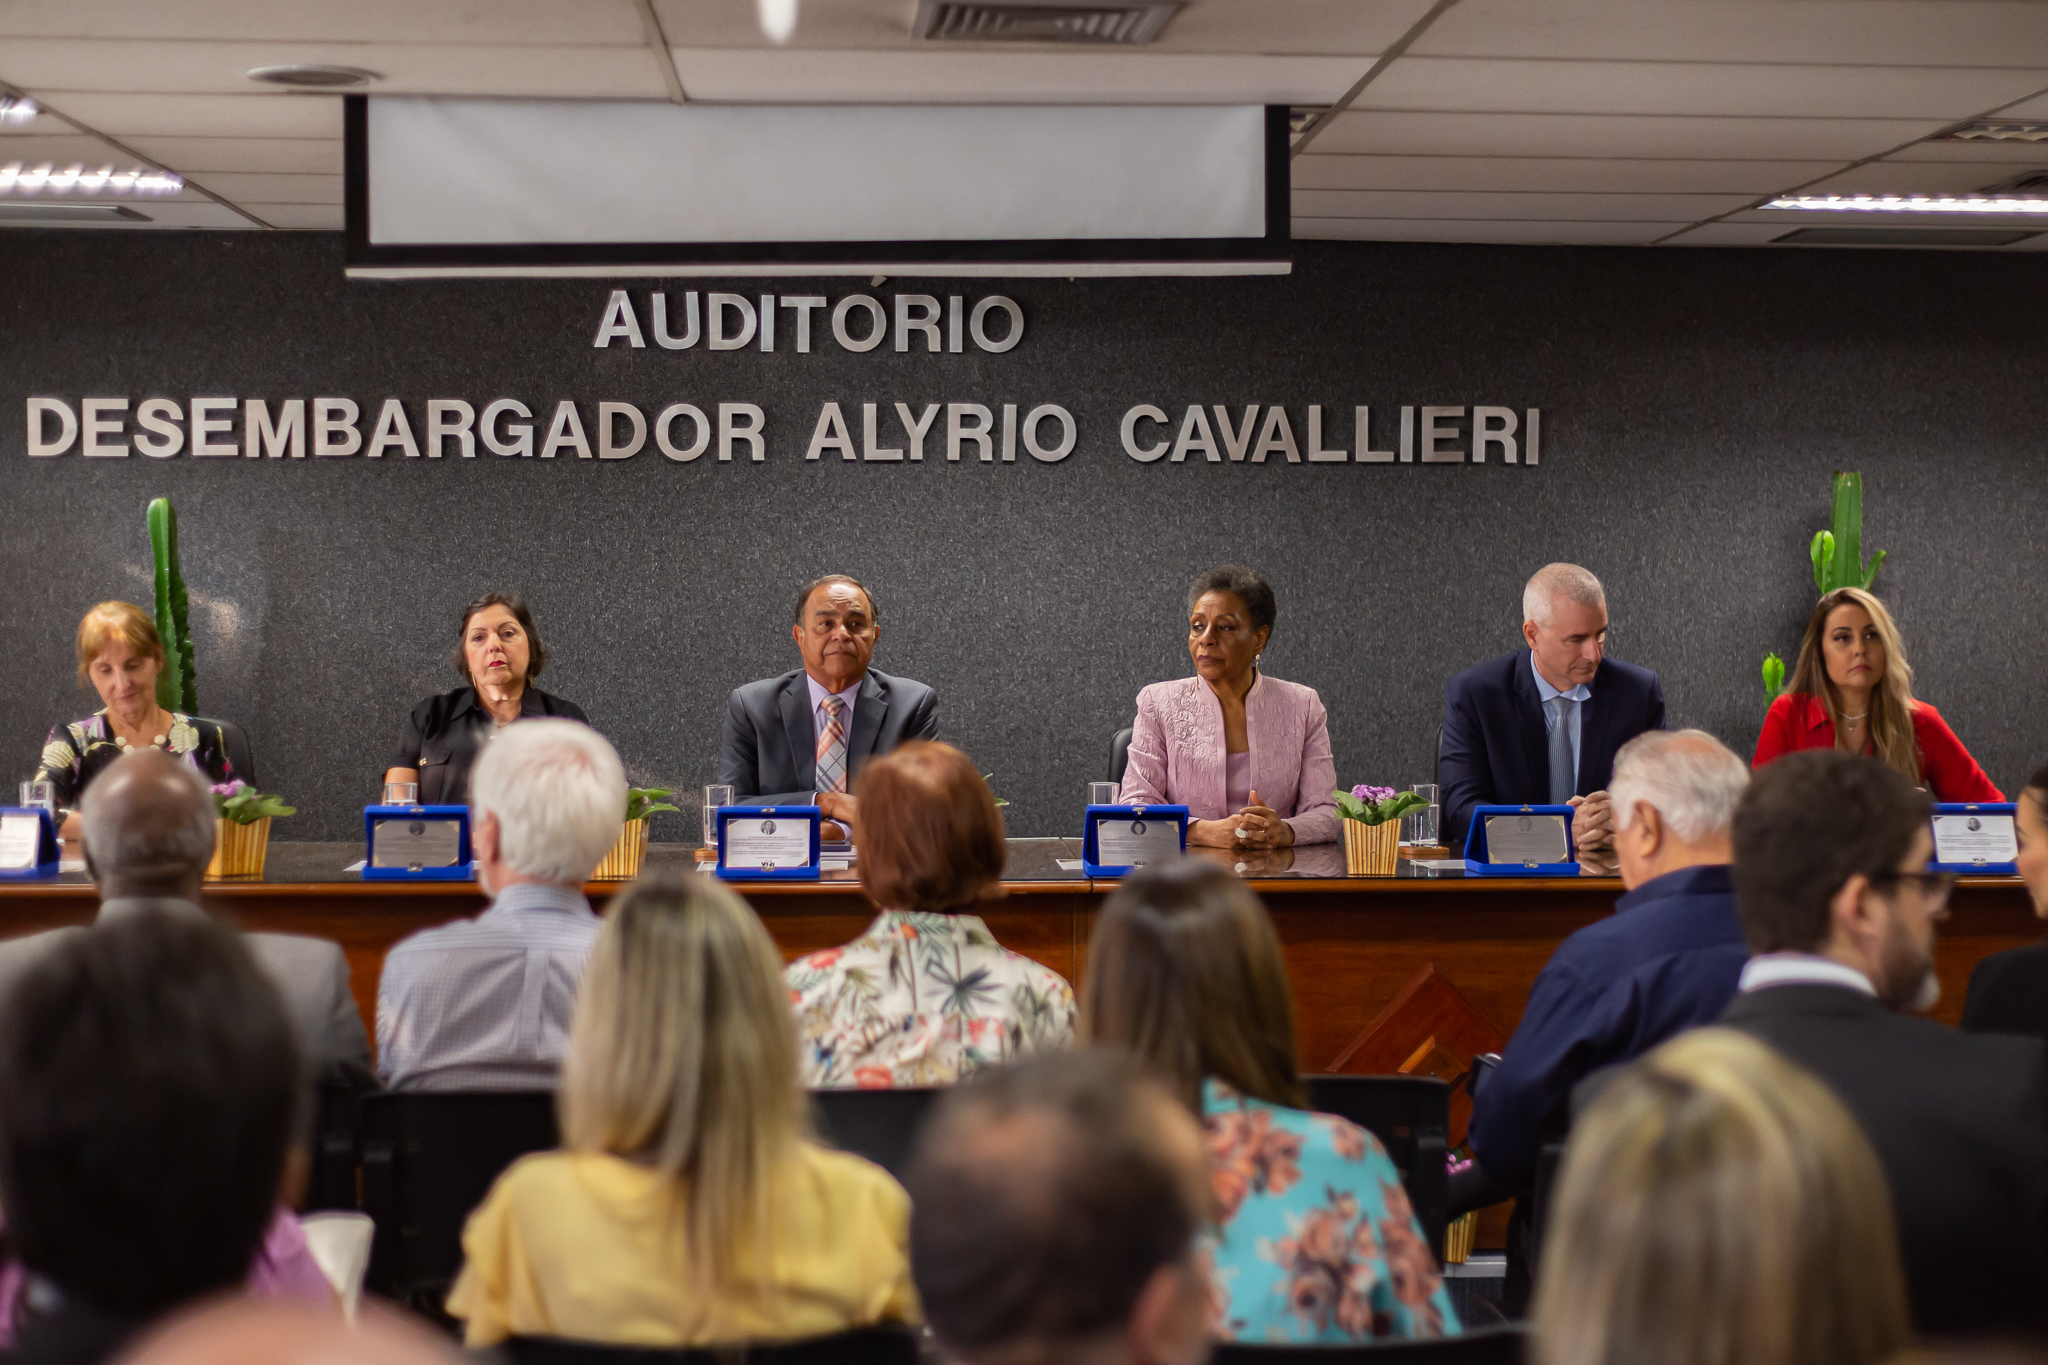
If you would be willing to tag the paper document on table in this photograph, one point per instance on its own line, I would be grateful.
(21, 839)
(1983, 838)
(1133, 843)
(1526, 839)
(415, 843)
(767, 844)
(1068, 864)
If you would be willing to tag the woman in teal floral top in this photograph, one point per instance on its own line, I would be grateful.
(120, 654)
(1315, 1240)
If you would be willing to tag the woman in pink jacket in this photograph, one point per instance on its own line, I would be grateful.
(1248, 755)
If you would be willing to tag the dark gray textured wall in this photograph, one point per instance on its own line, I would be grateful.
(1694, 403)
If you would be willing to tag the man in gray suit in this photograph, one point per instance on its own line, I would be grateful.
(800, 739)
(148, 823)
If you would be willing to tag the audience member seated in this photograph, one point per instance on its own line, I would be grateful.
(1718, 1206)
(149, 1083)
(685, 1208)
(241, 1332)
(484, 1003)
(1852, 690)
(149, 830)
(926, 995)
(1540, 725)
(1056, 1205)
(1316, 1240)
(2009, 990)
(1831, 880)
(1667, 961)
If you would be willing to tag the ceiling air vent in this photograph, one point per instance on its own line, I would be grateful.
(1996, 130)
(1914, 236)
(1041, 21)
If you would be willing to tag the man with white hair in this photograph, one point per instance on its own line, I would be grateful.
(485, 1004)
(1540, 726)
(148, 827)
(1667, 960)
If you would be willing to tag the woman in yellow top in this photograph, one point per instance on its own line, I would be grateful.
(686, 1207)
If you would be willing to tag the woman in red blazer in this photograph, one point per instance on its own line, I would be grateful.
(1852, 689)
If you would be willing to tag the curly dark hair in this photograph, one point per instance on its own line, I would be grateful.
(1250, 588)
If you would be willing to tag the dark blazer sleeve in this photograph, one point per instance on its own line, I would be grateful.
(739, 750)
(924, 717)
(1539, 1066)
(1467, 779)
(409, 742)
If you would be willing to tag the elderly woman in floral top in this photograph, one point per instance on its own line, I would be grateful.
(120, 654)
(926, 995)
(1316, 1241)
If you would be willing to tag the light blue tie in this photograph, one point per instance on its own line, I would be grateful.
(1564, 780)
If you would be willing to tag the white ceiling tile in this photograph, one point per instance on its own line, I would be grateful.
(1907, 32)
(1921, 177)
(931, 75)
(1753, 139)
(1620, 176)
(1641, 208)
(1526, 233)
(61, 148)
(2035, 108)
(244, 187)
(1751, 90)
(160, 66)
(1273, 27)
(1988, 154)
(546, 22)
(197, 155)
(265, 115)
(328, 216)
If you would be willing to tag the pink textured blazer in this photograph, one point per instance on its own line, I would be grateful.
(1177, 753)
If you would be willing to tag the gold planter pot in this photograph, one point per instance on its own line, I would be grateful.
(1372, 850)
(1458, 1235)
(239, 850)
(622, 864)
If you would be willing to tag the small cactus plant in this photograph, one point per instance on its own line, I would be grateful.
(177, 686)
(1837, 555)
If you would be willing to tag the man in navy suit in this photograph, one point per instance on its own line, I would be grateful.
(801, 738)
(1540, 726)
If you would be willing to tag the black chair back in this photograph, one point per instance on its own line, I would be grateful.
(1119, 754)
(1411, 1116)
(1494, 1346)
(428, 1161)
(863, 1346)
(880, 1125)
(338, 1137)
(240, 755)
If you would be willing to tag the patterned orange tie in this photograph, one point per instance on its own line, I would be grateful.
(832, 749)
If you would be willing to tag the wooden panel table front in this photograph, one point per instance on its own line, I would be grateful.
(1352, 943)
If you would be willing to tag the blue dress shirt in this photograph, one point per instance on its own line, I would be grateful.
(1579, 693)
(1668, 960)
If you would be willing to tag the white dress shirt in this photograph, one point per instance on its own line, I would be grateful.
(1580, 694)
(485, 1003)
(1800, 969)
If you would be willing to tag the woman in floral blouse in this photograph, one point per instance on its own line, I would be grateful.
(1316, 1241)
(120, 654)
(926, 995)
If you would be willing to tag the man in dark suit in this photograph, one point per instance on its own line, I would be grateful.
(1540, 726)
(805, 735)
(1831, 855)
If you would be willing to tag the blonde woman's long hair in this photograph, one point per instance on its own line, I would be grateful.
(1718, 1206)
(1890, 724)
(683, 1058)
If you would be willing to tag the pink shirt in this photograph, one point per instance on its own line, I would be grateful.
(1177, 755)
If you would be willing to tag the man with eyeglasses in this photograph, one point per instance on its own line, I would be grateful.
(1832, 886)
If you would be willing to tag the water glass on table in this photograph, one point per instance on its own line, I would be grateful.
(401, 793)
(1420, 826)
(39, 794)
(1102, 793)
(716, 795)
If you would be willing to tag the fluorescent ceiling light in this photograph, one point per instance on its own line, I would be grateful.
(16, 178)
(1994, 130)
(1910, 203)
(17, 109)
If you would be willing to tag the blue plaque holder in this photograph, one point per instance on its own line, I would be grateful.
(806, 873)
(1476, 864)
(47, 856)
(2009, 809)
(1091, 865)
(465, 866)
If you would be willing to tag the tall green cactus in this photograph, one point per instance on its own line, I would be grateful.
(1837, 555)
(177, 687)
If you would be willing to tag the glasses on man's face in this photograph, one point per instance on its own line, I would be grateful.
(1934, 886)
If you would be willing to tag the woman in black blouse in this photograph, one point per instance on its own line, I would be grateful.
(500, 653)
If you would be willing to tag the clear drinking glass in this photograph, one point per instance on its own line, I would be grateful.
(716, 794)
(1419, 827)
(42, 794)
(1102, 793)
(401, 793)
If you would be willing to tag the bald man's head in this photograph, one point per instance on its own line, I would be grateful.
(149, 827)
